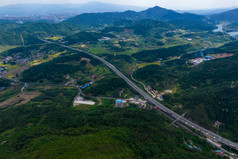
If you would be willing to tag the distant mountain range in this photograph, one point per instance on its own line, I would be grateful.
(155, 13)
(229, 16)
(97, 13)
(207, 11)
(73, 9)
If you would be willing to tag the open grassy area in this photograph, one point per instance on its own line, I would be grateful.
(6, 47)
(98, 50)
(104, 50)
(12, 91)
(54, 38)
(50, 57)
(21, 98)
(10, 67)
(147, 64)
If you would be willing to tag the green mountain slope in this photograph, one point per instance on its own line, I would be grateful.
(228, 16)
(207, 92)
(86, 37)
(164, 53)
(156, 13)
(48, 127)
(10, 38)
(46, 29)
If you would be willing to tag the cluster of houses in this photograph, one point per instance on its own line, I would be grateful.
(137, 101)
(199, 60)
(189, 144)
(104, 39)
(6, 59)
(156, 94)
(78, 100)
(3, 71)
(18, 59)
(121, 103)
(15, 58)
(218, 152)
(151, 91)
(125, 102)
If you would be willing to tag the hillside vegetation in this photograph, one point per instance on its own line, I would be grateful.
(10, 38)
(155, 55)
(46, 29)
(205, 91)
(48, 127)
(156, 13)
(176, 56)
(89, 37)
(228, 16)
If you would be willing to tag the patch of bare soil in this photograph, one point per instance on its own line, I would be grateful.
(21, 98)
(17, 70)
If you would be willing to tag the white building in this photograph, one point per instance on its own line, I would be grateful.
(80, 100)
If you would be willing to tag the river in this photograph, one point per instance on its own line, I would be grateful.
(220, 29)
(233, 33)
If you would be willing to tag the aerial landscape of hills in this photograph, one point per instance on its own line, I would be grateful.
(100, 80)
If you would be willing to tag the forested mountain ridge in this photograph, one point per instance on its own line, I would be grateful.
(208, 90)
(156, 13)
(228, 16)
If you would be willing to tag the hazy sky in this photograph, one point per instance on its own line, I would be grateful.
(172, 4)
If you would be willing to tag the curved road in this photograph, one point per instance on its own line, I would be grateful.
(156, 103)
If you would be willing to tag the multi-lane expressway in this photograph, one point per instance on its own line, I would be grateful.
(164, 109)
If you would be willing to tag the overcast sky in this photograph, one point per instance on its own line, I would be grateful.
(171, 4)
